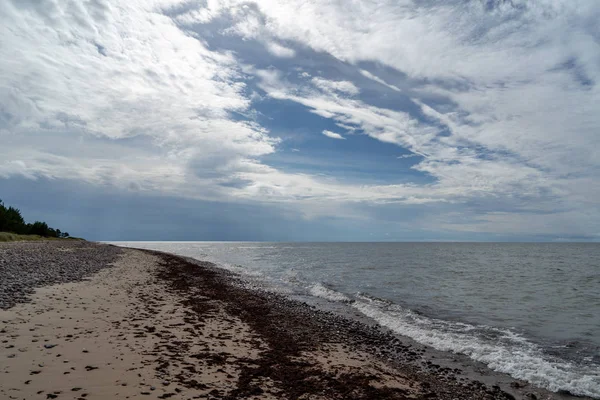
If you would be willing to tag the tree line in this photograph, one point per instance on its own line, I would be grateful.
(12, 221)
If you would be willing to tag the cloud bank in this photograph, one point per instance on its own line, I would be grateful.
(489, 107)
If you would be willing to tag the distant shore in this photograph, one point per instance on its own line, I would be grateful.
(81, 320)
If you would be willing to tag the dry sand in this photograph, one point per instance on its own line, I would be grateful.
(159, 326)
(96, 339)
(89, 339)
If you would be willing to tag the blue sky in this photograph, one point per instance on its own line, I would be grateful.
(313, 120)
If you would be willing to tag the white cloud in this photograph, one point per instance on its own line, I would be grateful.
(125, 73)
(150, 108)
(375, 78)
(408, 156)
(343, 87)
(333, 135)
(521, 79)
(382, 124)
(280, 51)
(503, 99)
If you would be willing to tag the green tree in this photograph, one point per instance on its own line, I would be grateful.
(11, 220)
(39, 228)
(3, 217)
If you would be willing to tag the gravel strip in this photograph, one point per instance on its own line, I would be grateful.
(27, 265)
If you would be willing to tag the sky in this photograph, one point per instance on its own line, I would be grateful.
(285, 120)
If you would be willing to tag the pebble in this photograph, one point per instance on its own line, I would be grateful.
(27, 265)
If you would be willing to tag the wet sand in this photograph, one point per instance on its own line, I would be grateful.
(155, 325)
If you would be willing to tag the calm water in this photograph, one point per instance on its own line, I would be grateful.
(530, 310)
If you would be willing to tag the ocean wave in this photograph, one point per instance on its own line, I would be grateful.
(319, 290)
(256, 247)
(235, 268)
(500, 349)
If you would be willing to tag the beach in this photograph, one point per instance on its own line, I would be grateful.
(81, 320)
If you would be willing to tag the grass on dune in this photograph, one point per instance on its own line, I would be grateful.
(13, 237)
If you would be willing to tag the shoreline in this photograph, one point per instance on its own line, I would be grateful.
(159, 325)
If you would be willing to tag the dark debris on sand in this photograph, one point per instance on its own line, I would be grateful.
(291, 327)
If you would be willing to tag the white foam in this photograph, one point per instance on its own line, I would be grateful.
(290, 276)
(507, 352)
(263, 247)
(324, 292)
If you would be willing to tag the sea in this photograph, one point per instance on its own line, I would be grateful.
(530, 310)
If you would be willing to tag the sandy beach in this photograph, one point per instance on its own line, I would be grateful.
(142, 324)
